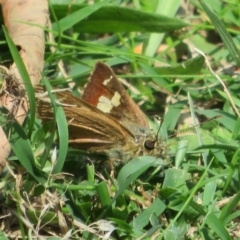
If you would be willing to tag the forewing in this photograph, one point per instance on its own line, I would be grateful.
(105, 92)
(89, 128)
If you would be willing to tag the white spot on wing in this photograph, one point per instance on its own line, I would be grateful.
(116, 99)
(106, 105)
(105, 100)
(106, 81)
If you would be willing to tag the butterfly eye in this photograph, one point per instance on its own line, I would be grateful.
(149, 145)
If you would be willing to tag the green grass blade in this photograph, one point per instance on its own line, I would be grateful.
(21, 146)
(157, 207)
(103, 194)
(181, 152)
(132, 170)
(62, 125)
(78, 16)
(169, 9)
(230, 207)
(236, 129)
(213, 222)
(25, 77)
(231, 170)
(197, 128)
(114, 19)
(209, 193)
(189, 67)
(224, 34)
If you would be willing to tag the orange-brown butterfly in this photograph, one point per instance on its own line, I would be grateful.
(105, 120)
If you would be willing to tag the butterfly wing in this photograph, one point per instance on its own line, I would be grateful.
(89, 128)
(106, 93)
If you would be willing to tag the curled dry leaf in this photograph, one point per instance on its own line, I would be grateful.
(22, 20)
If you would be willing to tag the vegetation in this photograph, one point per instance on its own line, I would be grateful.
(181, 63)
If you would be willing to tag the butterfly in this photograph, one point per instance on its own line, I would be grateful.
(105, 120)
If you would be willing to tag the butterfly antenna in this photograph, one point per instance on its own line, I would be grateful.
(190, 128)
(160, 120)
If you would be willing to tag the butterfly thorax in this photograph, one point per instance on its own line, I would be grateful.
(143, 143)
